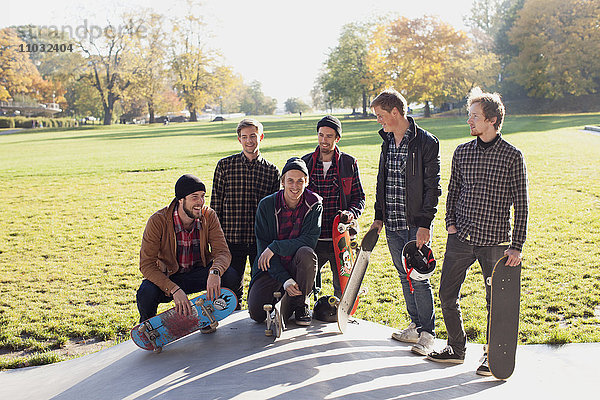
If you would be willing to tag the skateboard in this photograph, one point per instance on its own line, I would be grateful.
(168, 326)
(344, 257)
(504, 318)
(275, 324)
(350, 295)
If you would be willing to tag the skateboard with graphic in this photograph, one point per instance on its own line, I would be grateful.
(169, 326)
(274, 321)
(504, 318)
(343, 251)
(350, 294)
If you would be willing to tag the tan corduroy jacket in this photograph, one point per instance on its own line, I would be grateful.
(158, 254)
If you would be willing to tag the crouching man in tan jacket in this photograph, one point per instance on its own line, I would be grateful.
(183, 251)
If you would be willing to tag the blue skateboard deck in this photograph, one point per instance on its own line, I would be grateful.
(168, 326)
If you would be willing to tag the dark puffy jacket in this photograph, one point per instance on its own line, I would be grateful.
(422, 177)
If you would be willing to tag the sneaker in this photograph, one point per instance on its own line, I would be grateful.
(208, 329)
(408, 335)
(446, 356)
(425, 344)
(302, 315)
(484, 368)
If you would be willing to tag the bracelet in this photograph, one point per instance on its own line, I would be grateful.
(178, 289)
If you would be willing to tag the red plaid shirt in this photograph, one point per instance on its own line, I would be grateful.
(188, 243)
(289, 223)
(328, 188)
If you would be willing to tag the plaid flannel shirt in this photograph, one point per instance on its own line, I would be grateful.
(238, 185)
(484, 184)
(328, 188)
(395, 185)
(188, 243)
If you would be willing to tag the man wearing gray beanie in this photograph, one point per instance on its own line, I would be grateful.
(183, 251)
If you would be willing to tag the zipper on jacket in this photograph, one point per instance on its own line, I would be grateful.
(413, 163)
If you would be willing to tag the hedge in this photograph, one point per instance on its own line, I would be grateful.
(28, 122)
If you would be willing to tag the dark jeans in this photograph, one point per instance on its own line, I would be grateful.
(304, 269)
(325, 254)
(419, 304)
(149, 296)
(458, 259)
(239, 253)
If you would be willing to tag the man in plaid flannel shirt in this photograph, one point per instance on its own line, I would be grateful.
(334, 176)
(488, 177)
(240, 182)
(408, 188)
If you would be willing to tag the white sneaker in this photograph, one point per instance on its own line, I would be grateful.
(408, 335)
(425, 344)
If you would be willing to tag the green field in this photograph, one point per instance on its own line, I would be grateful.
(75, 203)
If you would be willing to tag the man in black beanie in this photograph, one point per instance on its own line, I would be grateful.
(334, 176)
(287, 226)
(175, 257)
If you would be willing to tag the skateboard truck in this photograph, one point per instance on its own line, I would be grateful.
(151, 334)
(207, 312)
(271, 319)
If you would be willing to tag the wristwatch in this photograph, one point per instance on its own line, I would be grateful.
(215, 272)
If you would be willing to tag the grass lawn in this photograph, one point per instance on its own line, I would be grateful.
(75, 203)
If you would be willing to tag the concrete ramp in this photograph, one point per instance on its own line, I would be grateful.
(316, 362)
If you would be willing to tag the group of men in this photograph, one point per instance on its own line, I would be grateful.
(282, 223)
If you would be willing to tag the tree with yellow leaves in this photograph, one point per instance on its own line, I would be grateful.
(427, 60)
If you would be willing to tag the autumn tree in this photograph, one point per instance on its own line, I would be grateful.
(558, 46)
(18, 75)
(149, 55)
(427, 60)
(346, 77)
(109, 70)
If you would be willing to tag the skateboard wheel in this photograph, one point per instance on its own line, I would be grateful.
(158, 350)
(267, 307)
(268, 332)
(333, 301)
(142, 329)
(277, 295)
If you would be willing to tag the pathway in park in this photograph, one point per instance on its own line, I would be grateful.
(240, 362)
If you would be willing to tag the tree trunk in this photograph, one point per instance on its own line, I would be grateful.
(193, 116)
(151, 112)
(364, 103)
(427, 110)
(108, 111)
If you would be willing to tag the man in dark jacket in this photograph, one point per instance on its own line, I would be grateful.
(287, 227)
(408, 188)
(333, 175)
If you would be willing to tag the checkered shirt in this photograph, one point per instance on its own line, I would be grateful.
(395, 185)
(238, 186)
(328, 188)
(188, 243)
(484, 184)
(289, 223)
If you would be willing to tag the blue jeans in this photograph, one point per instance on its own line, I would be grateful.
(419, 304)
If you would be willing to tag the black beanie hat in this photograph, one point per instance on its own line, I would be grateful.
(187, 184)
(332, 122)
(295, 163)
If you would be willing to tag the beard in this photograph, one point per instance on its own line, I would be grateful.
(189, 211)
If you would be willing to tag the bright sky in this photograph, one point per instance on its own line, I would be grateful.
(280, 43)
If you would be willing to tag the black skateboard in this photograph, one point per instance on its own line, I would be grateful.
(504, 318)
